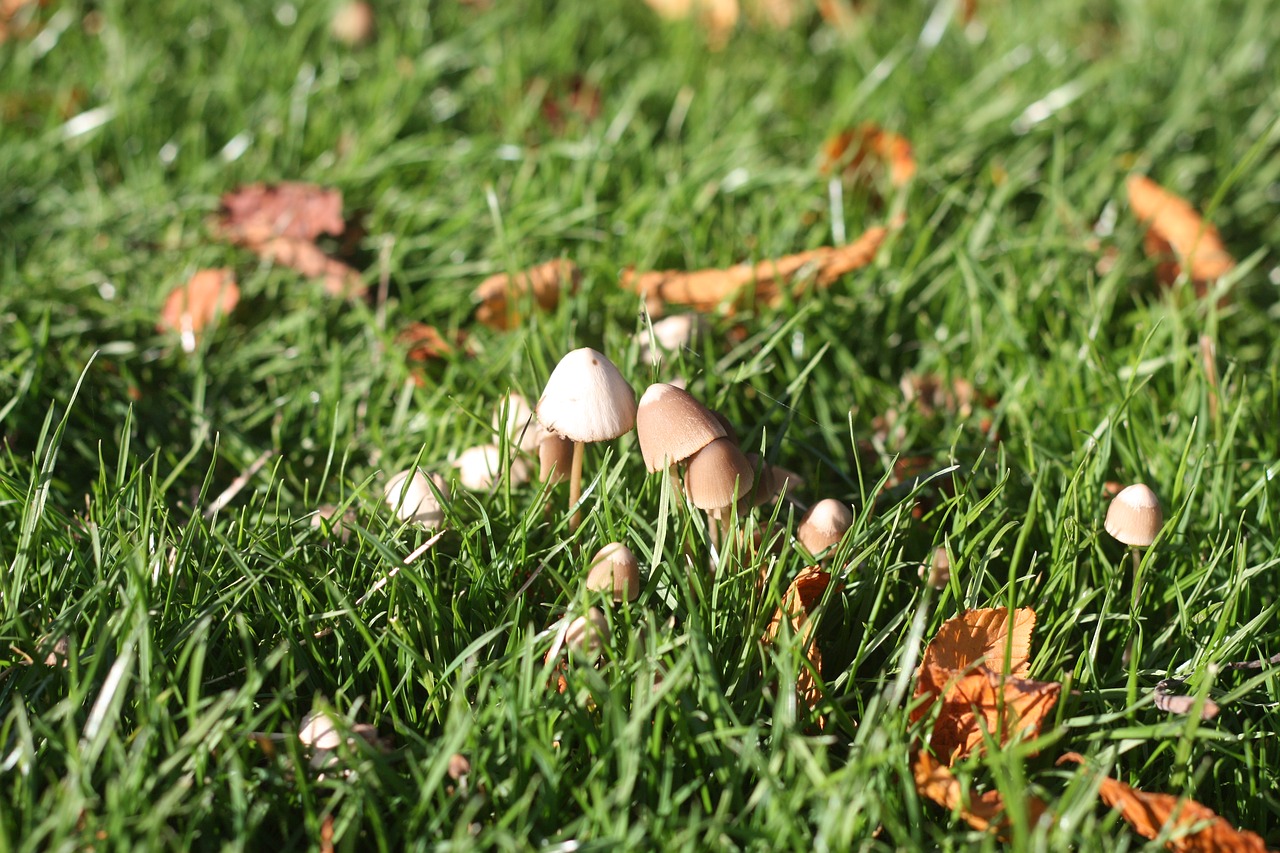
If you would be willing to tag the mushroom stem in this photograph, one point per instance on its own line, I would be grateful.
(1137, 577)
(575, 485)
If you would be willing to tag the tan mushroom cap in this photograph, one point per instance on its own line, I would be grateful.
(587, 634)
(586, 399)
(771, 480)
(673, 426)
(1134, 516)
(615, 569)
(717, 475)
(824, 525)
(409, 493)
(479, 468)
(555, 457)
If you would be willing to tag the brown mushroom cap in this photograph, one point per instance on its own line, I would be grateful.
(1134, 516)
(555, 456)
(824, 525)
(586, 399)
(717, 475)
(673, 426)
(771, 480)
(587, 634)
(615, 569)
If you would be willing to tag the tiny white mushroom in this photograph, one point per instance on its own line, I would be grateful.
(411, 495)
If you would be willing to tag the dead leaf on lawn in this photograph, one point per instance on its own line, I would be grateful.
(581, 103)
(981, 811)
(1177, 234)
(862, 151)
(980, 703)
(802, 596)
(763, 283)
(717, 17)
(425, 343)
(339, 279)
(190, 307)
(500, 295)
(982, 637)
(1150, 814)
(1170, 695)
(16, 18)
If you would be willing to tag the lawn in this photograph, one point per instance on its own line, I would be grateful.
(172, 608)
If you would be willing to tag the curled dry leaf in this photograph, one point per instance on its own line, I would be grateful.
(305, 257)
(425, 343)
(801, 598)
(862, 151)
(764, 283)
(1150, 814)
(986, 637)
(190, 307)
(500, 295)
(1176, 228)
(256, 213)
(981, 811)
(1169, 696)
(981, 703)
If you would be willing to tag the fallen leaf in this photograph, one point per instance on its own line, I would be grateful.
(766, 282)
(501, 294)
(860, 151)
(425, 343)
(306, 258)
(801, 597)
(13, 18)
(982, 637)
(1149, 815)
(717, 17)
(190, 307)
(983, 811)
(256, 213)
(582, 101)
(980, 703)
(1175, 224)
(1170, 696)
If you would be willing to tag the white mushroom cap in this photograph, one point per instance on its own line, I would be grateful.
(319, 731)
(717, 475)
(1134, 516)
(586, 399)
(520, 428)
(587, 634)
(615, 569)
(479, 467)
(824, 525)
(409, 493)
(669, 335)
(672, 426)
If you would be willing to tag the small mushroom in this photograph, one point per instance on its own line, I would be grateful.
(586, 400)
(555, 457)
(771, 480)
(672, 426)
(586, 635)
(670, 334)
(514, 419)
(353, 23)
(824, 525)
(937, 572)
(411, 494)
(479, 467)
(614, 569)
(717, 477)
(1134, 518)
(319, 730)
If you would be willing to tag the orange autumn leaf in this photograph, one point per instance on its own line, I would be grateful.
(983, 811)
(983, 703)
(256, 213)
(983, 637)
(190, 307)
(306, 258)
(424, 343)
(12, 18)
(764, 283)
(858, 151)
(1196, 827)
(1176, 227)
(501, 294)
(801, 597)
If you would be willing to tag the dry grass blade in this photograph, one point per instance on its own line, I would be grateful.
(500, 294)
(1197, 828)
(763, 283)
(1175, 224)
(1169, 697)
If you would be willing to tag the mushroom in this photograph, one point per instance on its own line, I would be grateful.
(718, 475)
(771, 480)
(586, 400)
(1134, 518)
(555, 456)
(479, 467)
(353, 23)
(417, 496)
(318, 730)
(514, 419)
(673, 426)
(824, 525)
(614, 569)
(937, 572)
(669, 334)
(586, 635)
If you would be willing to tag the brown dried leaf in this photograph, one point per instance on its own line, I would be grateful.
(424, 343)
(861, 151)
(12, 14)
(190, 307)
(982, 637)
(500, 294)
(980, 703)
(257, 213)
(1149, 814)
(1169, 697)
(1175, 224)
(306, 258)
(765, 282)
(984, 811)
(798, 602)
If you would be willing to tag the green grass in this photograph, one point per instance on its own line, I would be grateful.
(189, 631)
